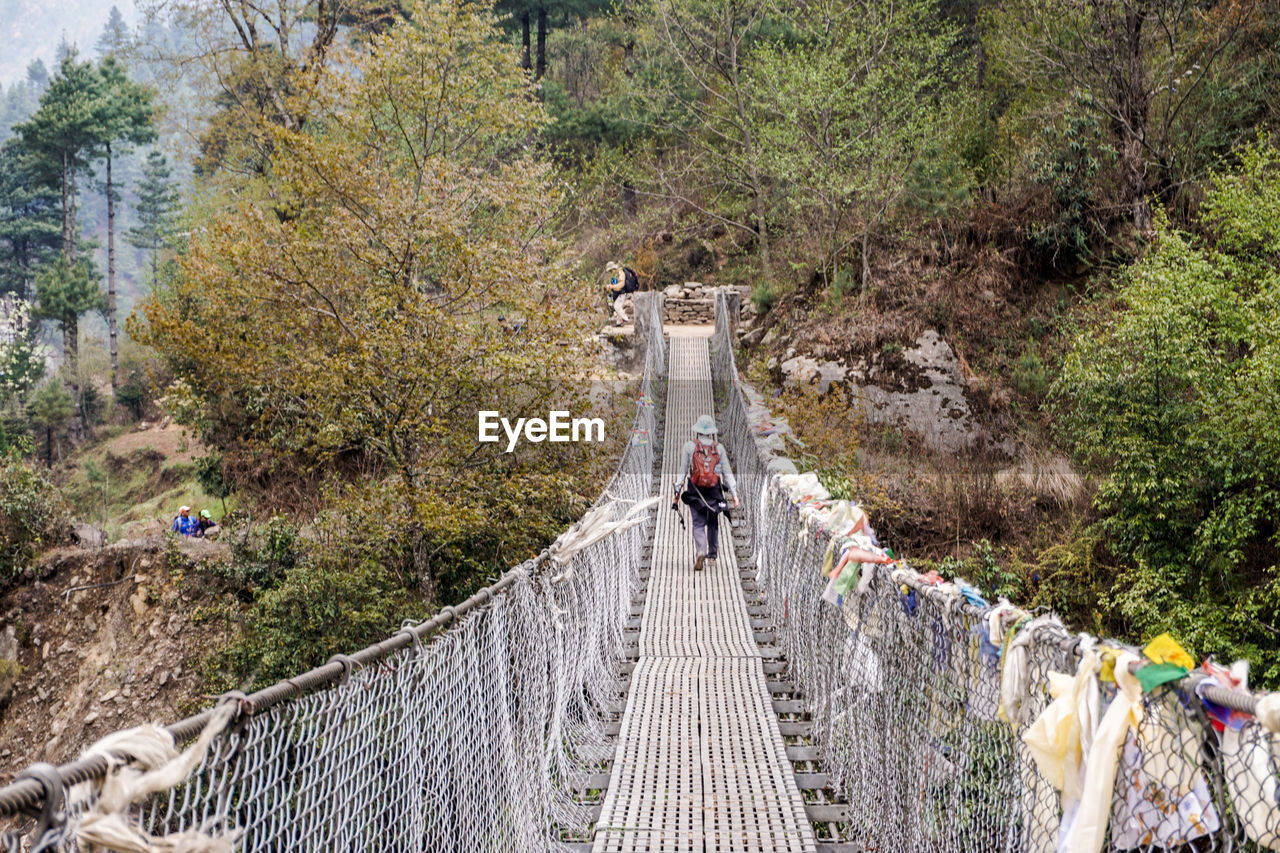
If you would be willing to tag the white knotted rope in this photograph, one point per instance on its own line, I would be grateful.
(154, 765)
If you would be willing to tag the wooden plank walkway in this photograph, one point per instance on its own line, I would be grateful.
(701, 765)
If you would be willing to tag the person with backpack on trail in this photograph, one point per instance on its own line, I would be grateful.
(622, 281)
(705, 478)
(183, 523)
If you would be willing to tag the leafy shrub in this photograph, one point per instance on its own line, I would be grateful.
(260, 559)
(376, 555)
(1067, 163)
(33, 515)
(764, 296)
(210, 476)
(984, 570)
(317, 610)
(1030, 377)
(1173, 396)
(140, 373)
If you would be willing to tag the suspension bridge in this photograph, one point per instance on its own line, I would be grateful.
(605, 697)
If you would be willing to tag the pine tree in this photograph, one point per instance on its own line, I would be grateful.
(29, 233)
(37, 76)
(64, 136)
(156, 210)
(128, 117)
(65, 292)
(115, 34)
(50, 409)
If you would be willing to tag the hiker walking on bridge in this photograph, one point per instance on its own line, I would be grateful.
(705, 478)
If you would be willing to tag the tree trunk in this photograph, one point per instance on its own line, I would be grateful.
(753, 168)
(71, 326)
(71, 345)
(111, 272)
(525, 61)
(762, 229)
(866, 251)
(71, 212)
(66, 207)
(1133, 112)
(629, 198)
(542, 44)
(1135, 182)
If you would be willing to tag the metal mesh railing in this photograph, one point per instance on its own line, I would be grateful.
(472, 741)
(905, 688)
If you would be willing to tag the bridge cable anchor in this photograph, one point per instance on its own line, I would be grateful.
(52, 819)
(409, 627)
(243, 714)
(348, 664)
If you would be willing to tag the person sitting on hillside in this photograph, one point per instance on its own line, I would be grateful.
(622, 281)
(207, 527)
(184, 524)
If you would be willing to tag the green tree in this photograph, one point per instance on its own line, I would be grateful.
(263, 60)
(1176, 397)
(128, 118)
(65, 134)
(66, 291)
(21, 367)
(156, 210)
(696, 85)
(29, 226)
(346, 308)
(1140, 62)
(1067, 163)
(844, 111)
(33, 515)
(340, 314)
(37, 75)
(209, 475)
(50, 410)
(114, 38)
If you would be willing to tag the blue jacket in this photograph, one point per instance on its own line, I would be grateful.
(186, 526)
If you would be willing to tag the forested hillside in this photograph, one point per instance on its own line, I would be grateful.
(398, 213)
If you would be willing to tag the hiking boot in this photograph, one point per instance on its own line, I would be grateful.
(698, 563)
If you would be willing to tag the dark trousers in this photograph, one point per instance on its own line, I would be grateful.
(706, 530)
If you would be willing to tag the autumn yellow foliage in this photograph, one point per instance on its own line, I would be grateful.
(349, 302)
(346, 313)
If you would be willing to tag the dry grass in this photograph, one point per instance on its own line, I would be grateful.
(1049, 477)
(173, 441)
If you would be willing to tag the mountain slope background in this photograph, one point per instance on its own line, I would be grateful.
(33, 29)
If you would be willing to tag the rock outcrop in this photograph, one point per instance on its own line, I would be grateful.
(921, 389)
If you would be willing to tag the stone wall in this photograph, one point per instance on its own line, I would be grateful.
(694, 304)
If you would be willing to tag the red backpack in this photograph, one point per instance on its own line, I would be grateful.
(705, 460)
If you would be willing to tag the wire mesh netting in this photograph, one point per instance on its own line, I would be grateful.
(904, 685)
(472, 741)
